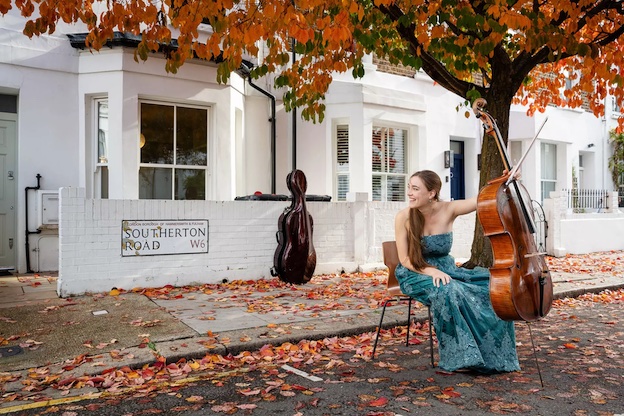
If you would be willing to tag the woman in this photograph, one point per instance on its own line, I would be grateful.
(470, 335)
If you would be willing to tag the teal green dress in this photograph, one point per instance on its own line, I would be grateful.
(470, 334)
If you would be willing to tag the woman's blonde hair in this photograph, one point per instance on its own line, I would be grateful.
(416, 220)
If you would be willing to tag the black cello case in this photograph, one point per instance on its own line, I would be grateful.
(295, 258)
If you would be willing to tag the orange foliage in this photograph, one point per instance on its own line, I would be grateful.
(530, 47)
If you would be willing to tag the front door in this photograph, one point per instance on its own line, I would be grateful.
(8, 180)
(457, 170)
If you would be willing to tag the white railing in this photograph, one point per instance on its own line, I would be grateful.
(587, 200)
(572, 231)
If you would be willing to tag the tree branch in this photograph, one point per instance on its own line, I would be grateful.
(432, 67)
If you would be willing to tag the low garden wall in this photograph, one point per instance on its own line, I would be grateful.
(151, 243)
(572, 232)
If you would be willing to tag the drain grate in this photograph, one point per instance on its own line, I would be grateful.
(10, 351)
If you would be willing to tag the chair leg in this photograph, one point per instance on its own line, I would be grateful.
(383, 311)
(430, 335)
(409, 317)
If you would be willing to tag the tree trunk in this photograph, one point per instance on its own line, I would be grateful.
(506, 78)
(498, 106)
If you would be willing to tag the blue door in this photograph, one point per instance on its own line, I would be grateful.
(457, 171)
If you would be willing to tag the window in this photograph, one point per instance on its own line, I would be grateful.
(174, 152)
(581, 173)
(389, 170)
(101, 161)
(8, 103)
(515, 152)
(614, 106)
(548, 169)
(342, 162)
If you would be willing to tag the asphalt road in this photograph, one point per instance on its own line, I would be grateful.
(580, 349)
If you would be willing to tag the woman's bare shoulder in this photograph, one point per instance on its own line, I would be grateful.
(403, 214)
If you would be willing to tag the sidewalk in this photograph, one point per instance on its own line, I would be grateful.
(88, 334)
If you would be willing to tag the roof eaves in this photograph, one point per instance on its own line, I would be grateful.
(78, 40)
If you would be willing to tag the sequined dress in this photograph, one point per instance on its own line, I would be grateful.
(470, 334)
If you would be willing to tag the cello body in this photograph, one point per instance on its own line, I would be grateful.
(520, 282)
(295, 257)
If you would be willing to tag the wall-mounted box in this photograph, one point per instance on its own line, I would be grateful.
(47, 208)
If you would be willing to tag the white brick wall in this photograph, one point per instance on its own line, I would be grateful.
(242, 242)
(572, 233)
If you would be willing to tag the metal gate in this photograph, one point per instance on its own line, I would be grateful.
(541, 226)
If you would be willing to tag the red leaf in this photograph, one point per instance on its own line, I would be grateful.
(382, 401)
(449, 391)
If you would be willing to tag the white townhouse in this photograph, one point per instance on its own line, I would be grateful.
(96, 148)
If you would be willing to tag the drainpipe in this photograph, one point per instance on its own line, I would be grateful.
(28, 232)
(245, 72)
(294, 116)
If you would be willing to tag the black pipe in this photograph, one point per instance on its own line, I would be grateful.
(272, 120)
(294, 138)
(28, 232)
(294, 116)
(244, 71)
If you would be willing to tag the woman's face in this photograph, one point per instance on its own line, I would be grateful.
(417, 193)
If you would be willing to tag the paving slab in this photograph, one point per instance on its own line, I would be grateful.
(63, 329)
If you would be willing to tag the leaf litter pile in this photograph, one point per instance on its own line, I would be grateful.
(582, 349)
(603, 263)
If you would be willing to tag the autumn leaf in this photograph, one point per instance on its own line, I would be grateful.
(380, 402)
(194, 399)
(450, 391)
(250, 392)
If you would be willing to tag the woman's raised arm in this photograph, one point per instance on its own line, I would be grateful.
(463, 206)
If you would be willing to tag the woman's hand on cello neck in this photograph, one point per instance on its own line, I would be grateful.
(517, 175)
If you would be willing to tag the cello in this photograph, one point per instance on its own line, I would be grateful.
(520, 283)
(295, 257)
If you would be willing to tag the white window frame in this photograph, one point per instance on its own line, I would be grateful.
(615, 108)
(341, 170)
(101, 163)
(386, 175)
(173, 166)
(544, 180)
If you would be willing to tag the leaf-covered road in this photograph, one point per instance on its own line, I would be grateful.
(580, 347)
